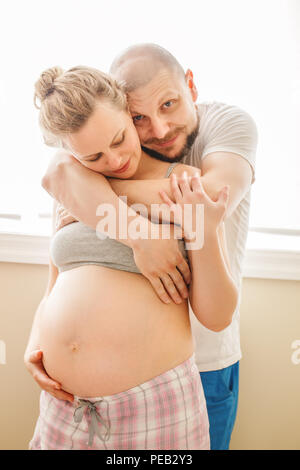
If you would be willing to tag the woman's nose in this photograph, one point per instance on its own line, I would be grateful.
(114, 161)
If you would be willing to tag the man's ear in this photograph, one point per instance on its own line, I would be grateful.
(189, 77)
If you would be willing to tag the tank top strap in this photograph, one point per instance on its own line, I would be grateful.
(170, 169)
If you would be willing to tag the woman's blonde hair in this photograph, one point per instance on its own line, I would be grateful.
(67, 99)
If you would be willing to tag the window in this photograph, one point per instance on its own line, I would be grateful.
(243, 53)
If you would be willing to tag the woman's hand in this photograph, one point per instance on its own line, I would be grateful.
(187, 193)
(63, 217)
(34, 364)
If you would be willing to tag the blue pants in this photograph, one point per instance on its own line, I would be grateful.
(221, 392)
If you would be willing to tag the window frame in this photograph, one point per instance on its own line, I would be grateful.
(282, 261)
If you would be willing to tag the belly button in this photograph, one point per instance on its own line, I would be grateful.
(74, 346)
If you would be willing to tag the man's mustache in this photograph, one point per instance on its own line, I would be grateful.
(167, 138)
(177, 158)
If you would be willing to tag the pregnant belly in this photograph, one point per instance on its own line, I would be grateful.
(104, 331)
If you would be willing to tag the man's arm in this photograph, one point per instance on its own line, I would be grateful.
(218, 169)
(221, 169)
(81, 190)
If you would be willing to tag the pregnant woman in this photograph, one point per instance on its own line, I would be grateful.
(105, 336)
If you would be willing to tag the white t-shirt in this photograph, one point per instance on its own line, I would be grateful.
(228, 129)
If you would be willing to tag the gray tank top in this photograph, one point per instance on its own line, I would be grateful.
(77, 244)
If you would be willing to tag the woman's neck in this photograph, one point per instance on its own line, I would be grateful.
(150, 168)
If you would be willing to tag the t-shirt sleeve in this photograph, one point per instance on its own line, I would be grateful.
(229, 129)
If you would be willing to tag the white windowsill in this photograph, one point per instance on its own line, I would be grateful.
(267, 256)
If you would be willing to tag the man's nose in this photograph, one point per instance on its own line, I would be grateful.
(159, 128)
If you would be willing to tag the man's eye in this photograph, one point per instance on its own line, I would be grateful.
(168, 104)
(138, 118)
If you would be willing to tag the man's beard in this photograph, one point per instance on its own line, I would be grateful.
(177, 158)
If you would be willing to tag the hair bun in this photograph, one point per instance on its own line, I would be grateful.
(45, 84)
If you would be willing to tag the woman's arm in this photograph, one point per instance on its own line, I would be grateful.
(212, 292)
(33, 356)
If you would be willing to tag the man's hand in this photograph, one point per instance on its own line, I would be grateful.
(34, 364)
(63, 217)
(163, 264)
(49, 181)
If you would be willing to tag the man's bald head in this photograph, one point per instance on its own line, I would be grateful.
(137, 65)
(161, 98)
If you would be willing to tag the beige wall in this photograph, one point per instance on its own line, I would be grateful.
(269, 407)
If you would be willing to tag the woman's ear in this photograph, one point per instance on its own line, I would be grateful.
(189, 77)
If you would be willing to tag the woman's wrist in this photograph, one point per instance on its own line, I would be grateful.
(209, 234)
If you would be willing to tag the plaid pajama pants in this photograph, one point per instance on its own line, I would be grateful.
(166, 412)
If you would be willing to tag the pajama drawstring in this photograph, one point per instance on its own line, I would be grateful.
(95, 419)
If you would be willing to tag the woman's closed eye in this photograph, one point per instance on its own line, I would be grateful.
(96, 158)
(116, 144)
